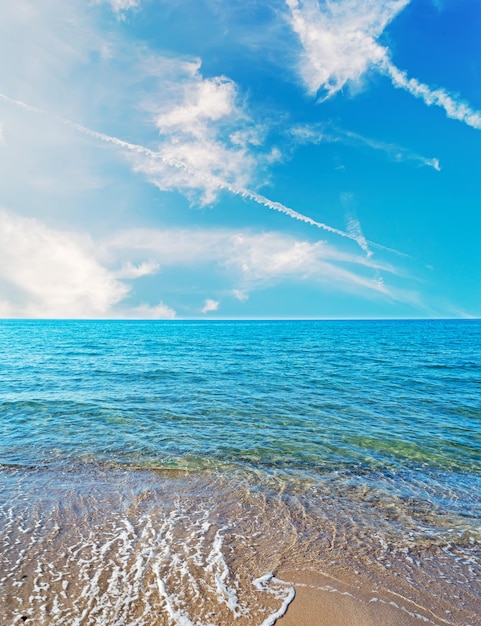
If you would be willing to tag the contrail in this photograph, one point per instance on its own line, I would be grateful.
(239, 191)
(319, 133)
(22, 105)
(132, 147)
(396, 152)
(278, 206)
(453, 108)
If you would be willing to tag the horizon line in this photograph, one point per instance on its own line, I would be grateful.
(238, 319)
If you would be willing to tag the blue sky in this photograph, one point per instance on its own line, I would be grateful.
(240, 159)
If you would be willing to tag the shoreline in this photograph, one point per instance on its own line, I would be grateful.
(224, 537)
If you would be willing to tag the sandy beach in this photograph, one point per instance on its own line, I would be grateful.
(122, 548)
(322, 600)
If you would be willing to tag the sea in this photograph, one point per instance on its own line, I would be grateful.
(174, 472)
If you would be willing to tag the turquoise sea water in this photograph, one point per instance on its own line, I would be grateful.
(297, 395)
(379, 420)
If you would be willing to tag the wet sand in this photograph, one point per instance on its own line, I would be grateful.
(122, 548)
(325, 601)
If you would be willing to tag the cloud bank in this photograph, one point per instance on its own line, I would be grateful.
(48, 273)
(252, 260)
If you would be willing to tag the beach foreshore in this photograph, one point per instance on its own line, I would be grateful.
(115, 547)
(322, 600)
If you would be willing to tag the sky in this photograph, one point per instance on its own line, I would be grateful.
(202, 159)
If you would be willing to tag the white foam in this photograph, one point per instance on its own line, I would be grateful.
(217, 565)
(179, 618)
(286, 593)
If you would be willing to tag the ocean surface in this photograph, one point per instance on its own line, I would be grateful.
(170, 472)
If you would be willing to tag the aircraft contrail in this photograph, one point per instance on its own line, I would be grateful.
(453, 108)
(219, 183)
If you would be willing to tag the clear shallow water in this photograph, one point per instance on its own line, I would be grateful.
(345, 442)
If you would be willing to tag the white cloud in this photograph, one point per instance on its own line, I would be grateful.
(204, 100)
(119, 6)
(47, 273)
(254, 260)
(339, 45)
(205, 140)
(354, 228)
(339, 39)
(130, 270)
(240, 295)
(210, 305)
(146, 312)
(271, 257)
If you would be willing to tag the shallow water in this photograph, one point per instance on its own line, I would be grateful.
(160, 473)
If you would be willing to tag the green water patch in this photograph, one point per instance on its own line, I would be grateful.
(436, 452)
